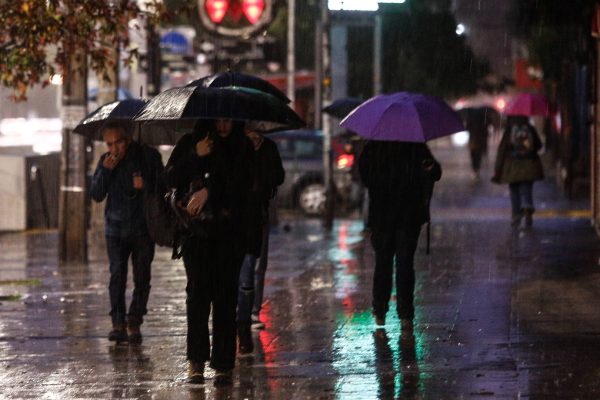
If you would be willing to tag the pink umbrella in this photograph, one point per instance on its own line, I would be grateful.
(527, 104)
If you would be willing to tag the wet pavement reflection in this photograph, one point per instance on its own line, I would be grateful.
(500, 312)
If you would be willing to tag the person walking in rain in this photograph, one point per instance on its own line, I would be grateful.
(518, 164)
(269, 174)
(122, 176)
(476, 124)
(212, 168)
(399, 177)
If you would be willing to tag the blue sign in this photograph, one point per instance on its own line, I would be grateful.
(175, 43)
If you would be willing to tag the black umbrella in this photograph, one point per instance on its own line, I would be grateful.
(175, 111)
(121, 111)
(342, 107)
(225, 79)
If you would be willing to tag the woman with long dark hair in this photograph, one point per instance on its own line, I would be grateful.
(211, 167)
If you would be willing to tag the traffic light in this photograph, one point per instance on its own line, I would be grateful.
(235, 17)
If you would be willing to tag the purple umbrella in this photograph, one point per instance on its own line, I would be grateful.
(403, 117)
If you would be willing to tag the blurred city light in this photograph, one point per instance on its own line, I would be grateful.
(359, 5)
(460, 29)
(460, 139)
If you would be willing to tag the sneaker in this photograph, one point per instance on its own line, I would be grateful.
(196, 373)
(118, 334)
(223, 378)
(246, 344)
(256, 323)
(134, 333)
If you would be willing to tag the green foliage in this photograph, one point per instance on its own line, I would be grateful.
(422, 53)
(37, 37)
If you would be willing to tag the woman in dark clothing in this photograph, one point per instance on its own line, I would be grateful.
(399, 177)
(214, 162)
(519, 165)
(269, 175)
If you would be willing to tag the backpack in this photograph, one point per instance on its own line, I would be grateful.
(160, 218)
(522, 141)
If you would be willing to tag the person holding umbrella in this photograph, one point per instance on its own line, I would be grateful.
(399, 171)
(518, 164)
(122, 176)
(212, 169)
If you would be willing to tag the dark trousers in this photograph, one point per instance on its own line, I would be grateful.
(401, 244)
(212, 268)
(141, 250)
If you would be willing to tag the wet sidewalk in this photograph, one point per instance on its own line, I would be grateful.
(500, 313)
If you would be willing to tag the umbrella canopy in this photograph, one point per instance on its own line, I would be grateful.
(527, 104)
(121, 111)
(225, 79)
(403, 117)
(342, 107)
(175, 111)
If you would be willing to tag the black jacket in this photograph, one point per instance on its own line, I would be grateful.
(268, 175)
(227, 173)
(399, 186)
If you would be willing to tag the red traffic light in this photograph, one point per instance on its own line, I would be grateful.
(218, 9)
(235, 17)
(253, 9)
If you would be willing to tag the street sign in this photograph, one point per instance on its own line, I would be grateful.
(235, 18)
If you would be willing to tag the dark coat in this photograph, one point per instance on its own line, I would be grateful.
(227, 173)
(268, 175)
(399, 187)
(510, 168)
(124, 210)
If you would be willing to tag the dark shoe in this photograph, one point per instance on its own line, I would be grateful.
(223, 378)
(196, 373)
(246, 344)
(118, 334)
(134, 333)
(379, 318)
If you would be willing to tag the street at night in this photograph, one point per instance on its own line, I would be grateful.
(501, 312)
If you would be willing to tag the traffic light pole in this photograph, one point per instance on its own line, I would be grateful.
(291, 51)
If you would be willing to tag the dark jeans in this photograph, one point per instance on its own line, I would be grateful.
(260, 271)
(521, 197)
(400, 243)
(476, 160)
(212, 268)
(141, 250)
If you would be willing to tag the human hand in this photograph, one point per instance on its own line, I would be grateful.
(138, 181)
(110, 161)
(204, 147)
(427, 164)
(197, 201)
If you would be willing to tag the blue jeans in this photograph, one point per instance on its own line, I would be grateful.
(141, 250)
(521, 197)
(246, 289)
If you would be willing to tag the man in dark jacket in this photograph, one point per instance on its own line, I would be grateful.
(122, 176)
(399, 177)
(268, 175)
